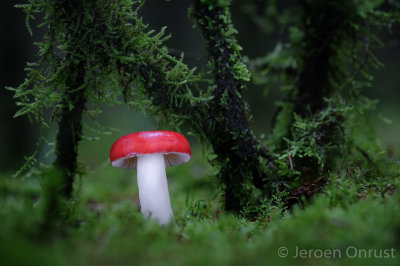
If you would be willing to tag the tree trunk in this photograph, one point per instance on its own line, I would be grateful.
(70, 129)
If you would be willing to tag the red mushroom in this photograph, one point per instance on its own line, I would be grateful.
(150, 152)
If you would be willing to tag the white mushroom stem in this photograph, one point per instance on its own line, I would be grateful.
(153, 188)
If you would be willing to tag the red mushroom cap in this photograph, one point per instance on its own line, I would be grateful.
(173, 145)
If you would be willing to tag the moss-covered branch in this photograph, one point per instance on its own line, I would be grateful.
(241, 158)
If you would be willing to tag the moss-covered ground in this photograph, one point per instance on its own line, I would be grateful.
(354, 220)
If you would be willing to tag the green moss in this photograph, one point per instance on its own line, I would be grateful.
(355, 209)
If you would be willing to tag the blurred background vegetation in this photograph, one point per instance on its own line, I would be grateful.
(113, 231)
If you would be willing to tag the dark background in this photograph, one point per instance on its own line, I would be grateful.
(18, 136)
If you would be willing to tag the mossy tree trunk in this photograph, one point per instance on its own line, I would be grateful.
(226, 122)
(70, 129)
(73, 97)
(69, 120)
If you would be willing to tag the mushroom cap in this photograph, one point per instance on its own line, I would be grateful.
(173, 145)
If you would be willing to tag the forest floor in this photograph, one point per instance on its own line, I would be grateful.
(354, 220)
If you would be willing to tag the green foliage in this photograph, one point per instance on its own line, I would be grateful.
(105, 37)
(357, 208)
(321, 71)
